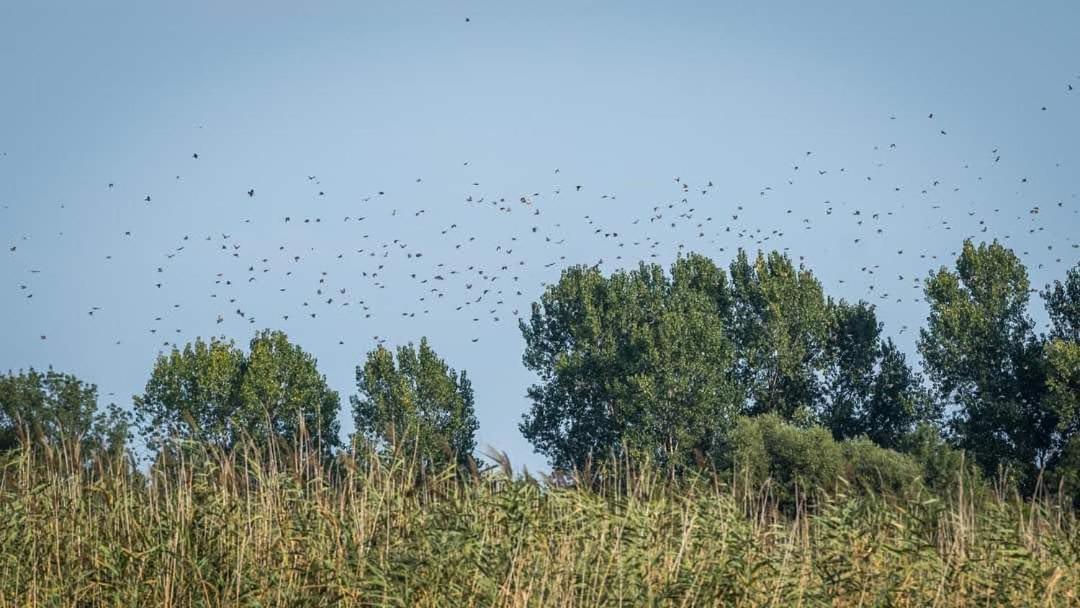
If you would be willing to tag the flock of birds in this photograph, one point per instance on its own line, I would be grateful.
(489, 272)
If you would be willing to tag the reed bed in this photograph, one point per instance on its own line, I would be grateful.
(285, 529)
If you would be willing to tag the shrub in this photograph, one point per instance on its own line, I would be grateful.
(766, 451)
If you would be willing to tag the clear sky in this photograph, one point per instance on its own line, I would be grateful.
(446, 118)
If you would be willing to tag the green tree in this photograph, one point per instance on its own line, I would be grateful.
(1063, 399)
(1063, 381)
(1063, 385)
(192, 394)
(981, 355)
(851, 350)
(212, 392)
(637, 360)
(869, 389)
(53, 406)
(1063, 305)
(779, 326)
(417, 404)
(898, 402)
(283, 394)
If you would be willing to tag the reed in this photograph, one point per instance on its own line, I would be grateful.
(279, 527)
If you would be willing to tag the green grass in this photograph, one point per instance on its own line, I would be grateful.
(282, 531)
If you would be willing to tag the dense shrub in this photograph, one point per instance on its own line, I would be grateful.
(766, 451)
(872, 468)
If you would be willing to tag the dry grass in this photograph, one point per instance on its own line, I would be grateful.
(280, 530)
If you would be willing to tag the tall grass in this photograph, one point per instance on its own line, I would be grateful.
(281, 529)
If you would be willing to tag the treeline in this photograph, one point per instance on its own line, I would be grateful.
(751, 368)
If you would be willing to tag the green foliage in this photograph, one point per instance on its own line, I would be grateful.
(1063, 478)
(945, 470)
(282, 392)
(1063, 399)
(1063, 385)
(214, 393)
(765, 450)
(779, 327)
(1063, 304)
(877, 470)
(193, 394)
(869, 389)
(981, 354)
(50, 405)
(419, 405)
(1063, 382)
(637, 361)
(852, 350)
(659, 365)
(898, 401)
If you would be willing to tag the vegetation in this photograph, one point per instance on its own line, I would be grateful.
(418, 406)
(214, 392)
(51, 405)
(716, 437)
(226, 531)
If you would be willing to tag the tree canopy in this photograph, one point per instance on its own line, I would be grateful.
(982, 356)
(640, 359)
(214, 392)
(661, 364)
(417, 404)
(52, 406)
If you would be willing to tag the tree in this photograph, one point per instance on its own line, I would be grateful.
(214, 393)
(852, 349)
(1063, 380)
(1063, 387)
(193, 395)
(54, 407)
(283, 394)
(637, 361)
(779, 326)
(869, 389)
(981, 355)
(1063, 305)
(898, 402)
(418, 405)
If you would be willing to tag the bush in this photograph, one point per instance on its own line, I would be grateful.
(872, 468)
(765, 450)
(944, 468)
(1063, 478)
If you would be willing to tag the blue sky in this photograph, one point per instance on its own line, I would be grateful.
(620, 98)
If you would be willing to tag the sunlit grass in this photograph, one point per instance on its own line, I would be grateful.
(279, 529)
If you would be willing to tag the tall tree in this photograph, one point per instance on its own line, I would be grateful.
(638, 360)
(53, 406)
(417, 404)
(1063, 305)
(981, 354)
(214, 392)
(1063, 379)
(869, 389)
(898, 403)
(193, 394)
(282, 393)
(851, 350)
(1063, 389)
(779, 326)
